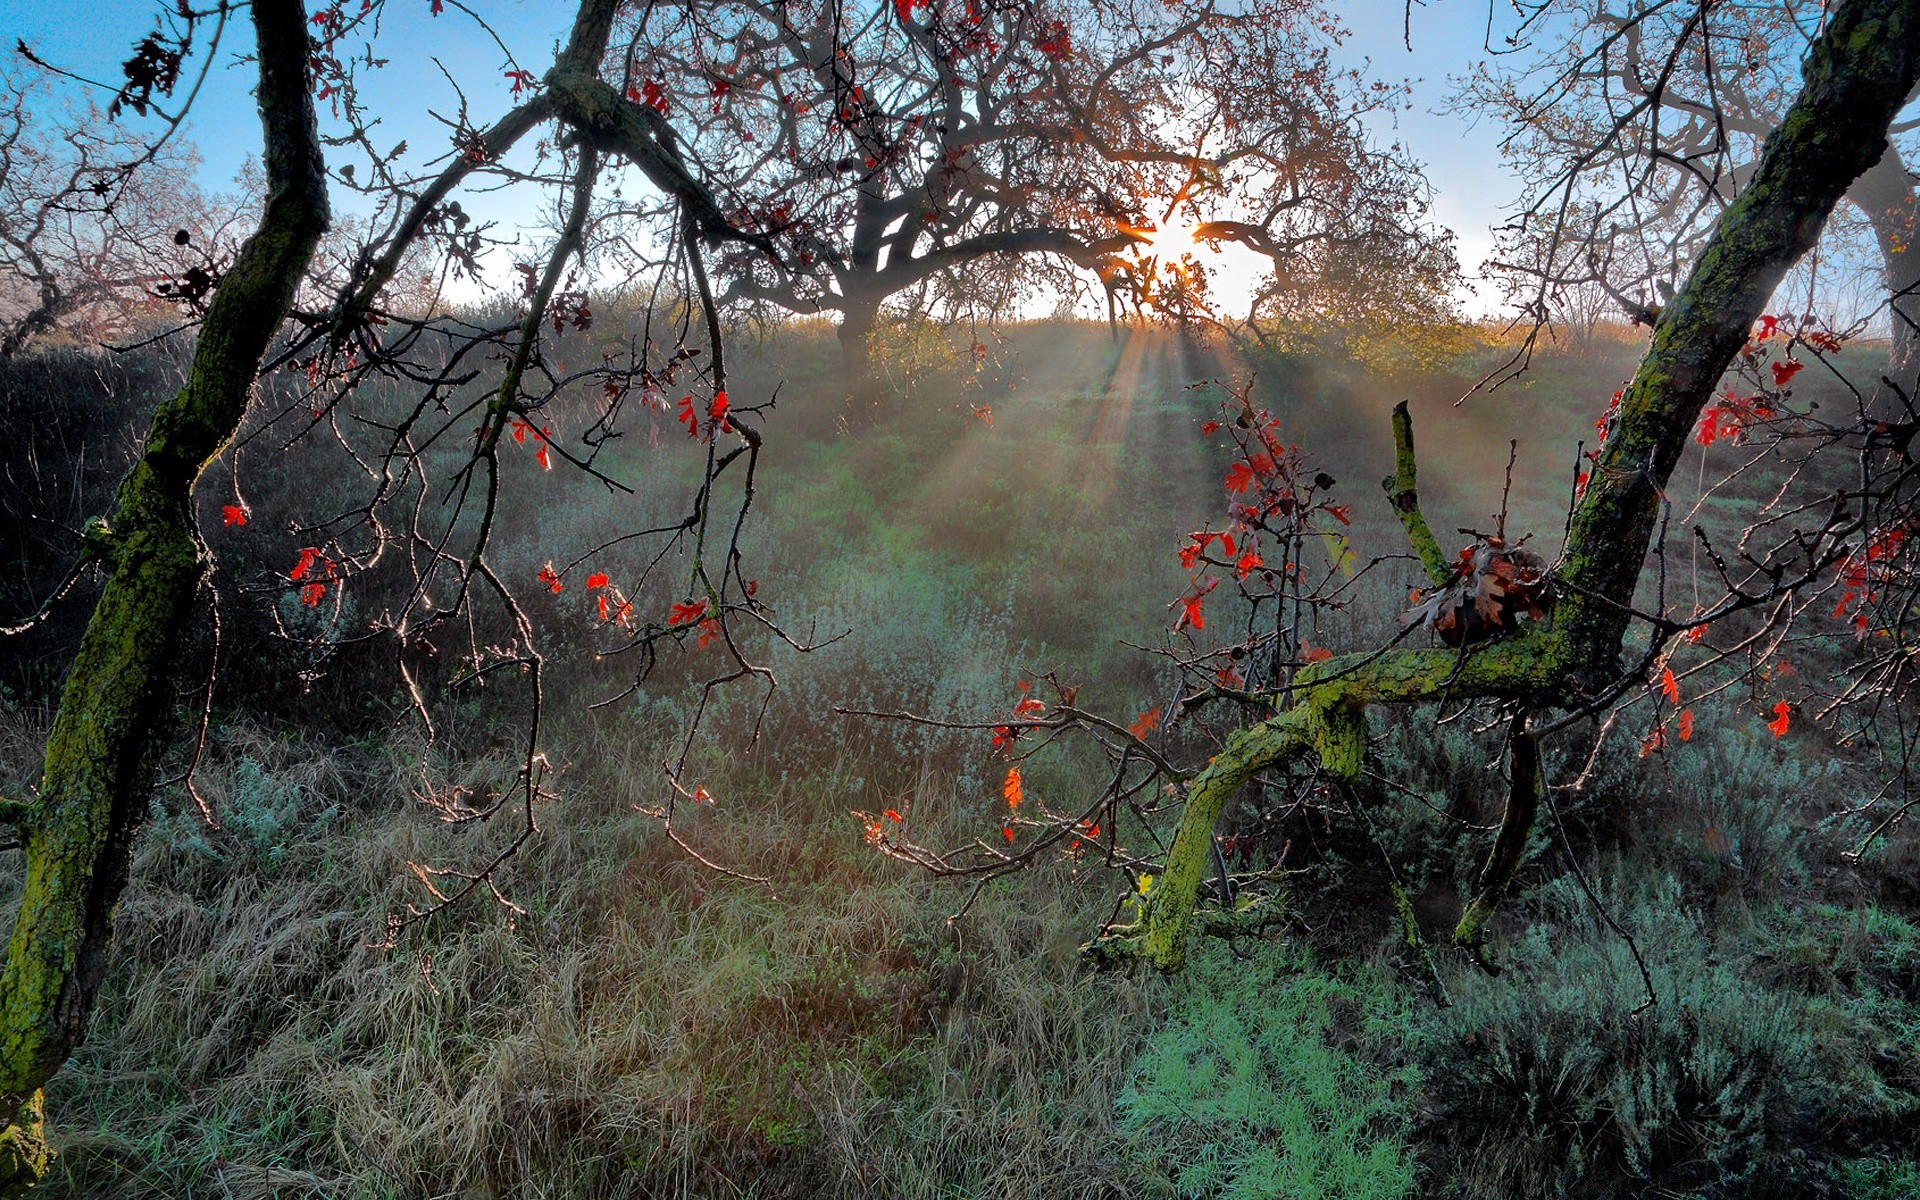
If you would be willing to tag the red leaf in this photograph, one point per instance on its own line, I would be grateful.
(1782, 712)
(550, 579)
(687, 614)
(709, 630)
(1145, 723)
(235, 514)
(1315, 654)
(687, 416)
(1784, 371)
(603, 607)
(308, 556)
(311, 594)
(540, 456)
(894, 816)
(1709, 428)
(1210, 427)
(983, 413)
(702, 795)
(1686, 724)
(1239, 477)
(1249, 562)
(596, 580)
(1670, 686)
(1006, 831)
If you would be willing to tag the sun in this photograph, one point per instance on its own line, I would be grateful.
(1172, 238)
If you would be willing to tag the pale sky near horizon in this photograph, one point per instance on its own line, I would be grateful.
(1462, 162)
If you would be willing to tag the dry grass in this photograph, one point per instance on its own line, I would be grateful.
(649, 1029)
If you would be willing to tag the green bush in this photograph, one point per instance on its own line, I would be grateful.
(1252, 1089)
(1557, 1074)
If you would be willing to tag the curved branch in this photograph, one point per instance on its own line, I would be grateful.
(1404, 495)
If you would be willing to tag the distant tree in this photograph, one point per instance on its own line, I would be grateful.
(1635, 125)
(97, 225)
(962, 154)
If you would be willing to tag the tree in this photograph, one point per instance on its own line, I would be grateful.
(109, 731)
(965, 154)
(1539, 647)
(1677, 101)
(99, 225)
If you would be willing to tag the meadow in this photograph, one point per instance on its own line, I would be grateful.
(648, 1026)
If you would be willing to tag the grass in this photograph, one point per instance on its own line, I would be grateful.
(649, 1027)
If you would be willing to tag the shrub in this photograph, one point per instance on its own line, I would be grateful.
(1252, 1089)
(1558, 1074)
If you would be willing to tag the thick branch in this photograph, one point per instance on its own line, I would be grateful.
(1327, 727)
(1404, 495)
(1510, 844)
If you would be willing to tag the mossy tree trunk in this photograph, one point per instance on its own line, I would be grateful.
(78, 833)
(1857, 78)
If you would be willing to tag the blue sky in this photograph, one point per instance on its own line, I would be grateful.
(92, 38)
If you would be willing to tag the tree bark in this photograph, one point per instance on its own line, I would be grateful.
(78, 833)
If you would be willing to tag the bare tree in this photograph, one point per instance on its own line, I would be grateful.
(961, 154)
(1638, 123)
(98, 224)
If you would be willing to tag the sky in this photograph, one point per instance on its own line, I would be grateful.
(91, 38)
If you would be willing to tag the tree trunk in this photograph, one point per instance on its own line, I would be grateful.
(1885, 195)
(858, 320)
(78, 834)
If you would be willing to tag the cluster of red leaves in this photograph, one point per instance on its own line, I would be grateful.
(1667, 688)
(313, 571)
(1272, 497)
(614, 607)
(1026, 707)
(1865, 574)
(874, 830)
(522, 429)
(651, 93)
(570, 309)
(716, 422)
(1732, 415)
(1494, 583)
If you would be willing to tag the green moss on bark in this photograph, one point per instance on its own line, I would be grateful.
(114, 706)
